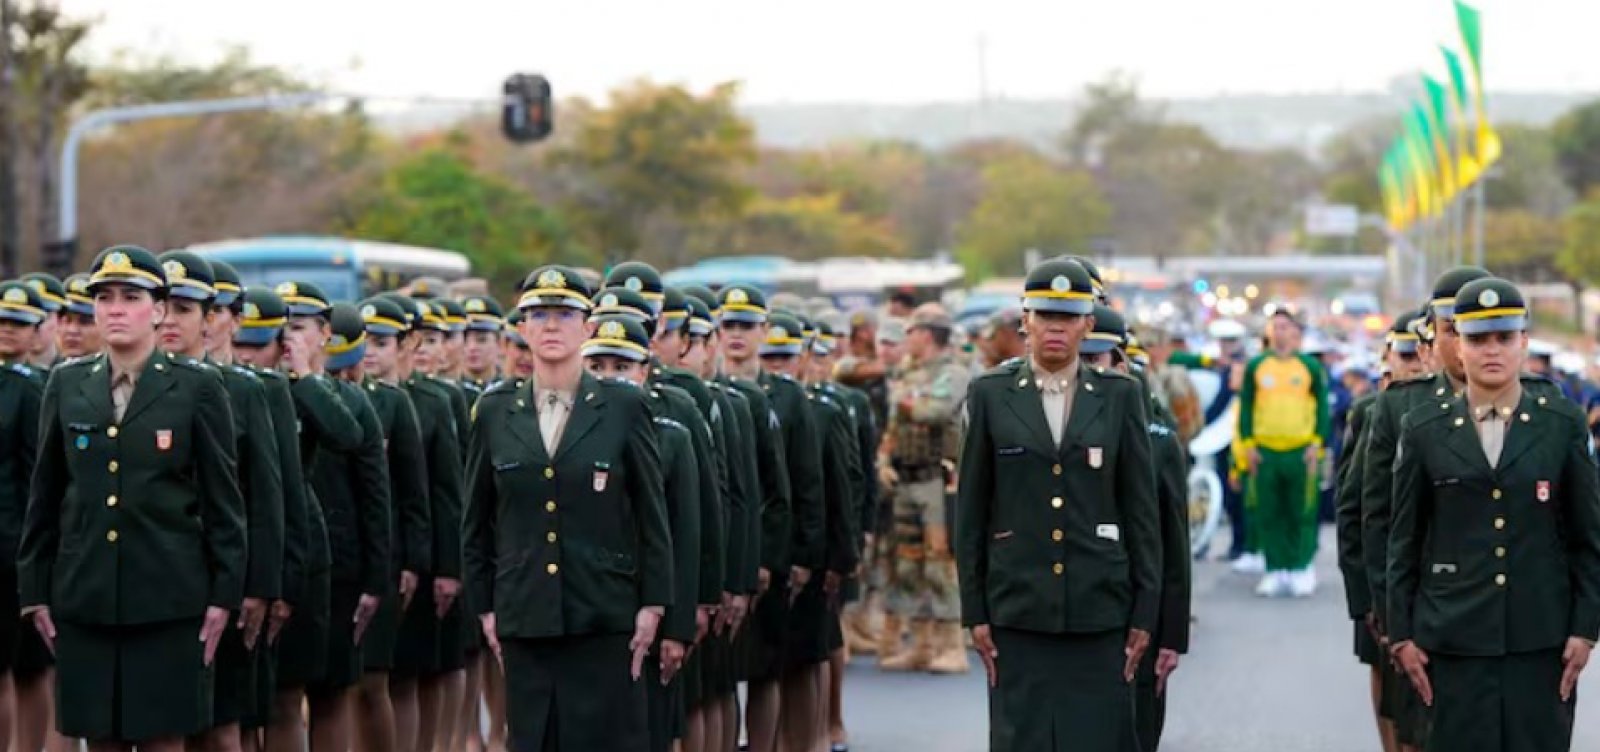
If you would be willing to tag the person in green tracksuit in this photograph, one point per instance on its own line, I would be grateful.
(1493, 562)
(1284, 426)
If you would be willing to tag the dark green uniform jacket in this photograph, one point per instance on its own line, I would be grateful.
(1172, 487)
(1489, 561)
(21, 388)
(260, 480)
(140, 520)
(705, 423)
(326, 426)
(574, 541)
(354, 490)
(1058, 539)
(681, 481)
(860, 408)
(674, 403)
(772, 471)
(744, 492)
(800, 531)
(286, 446)
(841, 479)
(436, 411)
(1347, 508)
(411, 531)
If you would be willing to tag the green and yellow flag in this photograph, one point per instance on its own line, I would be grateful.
(1436, 117)
(1467, 169)
(1488, 141)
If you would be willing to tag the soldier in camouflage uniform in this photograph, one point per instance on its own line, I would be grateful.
(921, 444)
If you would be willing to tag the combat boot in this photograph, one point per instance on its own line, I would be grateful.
(918, 656)
(950, 649)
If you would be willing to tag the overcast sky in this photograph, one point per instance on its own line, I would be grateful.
(862, 50)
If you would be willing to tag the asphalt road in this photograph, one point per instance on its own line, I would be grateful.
(1262, 676)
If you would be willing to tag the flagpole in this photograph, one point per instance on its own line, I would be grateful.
(1477, 219)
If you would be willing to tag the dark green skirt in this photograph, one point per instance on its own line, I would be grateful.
(303, 643)
(132, 684)
(378, 644)
(259, 714)
(1060, 693)
(666, 712)
(342, 669)
(416, 652)
(452, 638)
(574, 694)
(234, 693)
(1502, 704)
(1400, 703)
(806, 640)
(1366, 648)
(33, 656)
(766, 633)
(1150, 709)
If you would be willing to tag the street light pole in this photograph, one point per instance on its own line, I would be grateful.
(59, 255)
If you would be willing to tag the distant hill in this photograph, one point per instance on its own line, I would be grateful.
(1299, 121)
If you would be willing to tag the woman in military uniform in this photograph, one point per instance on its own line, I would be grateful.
(20, 387)
(1494, 546)
(567, 546)
(134, 542)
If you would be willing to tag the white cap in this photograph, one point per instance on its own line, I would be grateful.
(1226, 329)
(1542, 348)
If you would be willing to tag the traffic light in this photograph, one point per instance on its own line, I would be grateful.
(525, 110)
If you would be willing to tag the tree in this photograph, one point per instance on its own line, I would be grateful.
(804, 227)
(52, 78)
(1519, 244)
(1528, 176)
(1577, 145)
(1579, 258)
(1030, 203)
(435, 198)
(656, 162)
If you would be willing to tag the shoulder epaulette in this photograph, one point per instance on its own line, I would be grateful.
(245, 372)
(1426, 378)
(194, 364)
(22, 369)
(503, 386)
(670, 423)
(1005, 370)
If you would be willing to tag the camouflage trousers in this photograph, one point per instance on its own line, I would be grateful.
(923, 585)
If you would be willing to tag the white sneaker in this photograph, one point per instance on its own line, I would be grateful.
(1271, 585)
(1250, 564)
(1303, 584)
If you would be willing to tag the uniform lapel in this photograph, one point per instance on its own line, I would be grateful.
(524, 422)
(154, 382)
(1521, 434)
(1027, 405)
(585, 414)
(1462, 437)
(1086, 405)
(97, 388)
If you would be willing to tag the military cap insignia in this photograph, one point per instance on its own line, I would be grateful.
(79, 285)
(16, 295)
(252, 311)
(552, 278)
(37, 285)
(368, 312)
(634, 283)
(613, 330)
(779, 332)
(1061, 283)
(1489, 298)
(338, 340)
(738, 297)
(421, 288)
(608, 301)
(288, 289)
(423, 309)
(475, 306)
(175, 269)
(117, 261)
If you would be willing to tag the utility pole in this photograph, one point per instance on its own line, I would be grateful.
(10, 219)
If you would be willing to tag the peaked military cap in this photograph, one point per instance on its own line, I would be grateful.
(262, 314)
(303, 298)
(701, 322)
(1490, 304)
(484, 314)
(1110, 332)
(428, 315)
(407, 307)
(347, 341)
(674, 309)
(188, 276)
(824, 341)
(426, 288)
(641, 278)
(1403, 336)
(620, 335)
(227, 281)
(20, 302)
(455, 316)
(52, 294)
(1059, 286)
(79, 299)
(555, 286)
(381, 315)
(704, 295)
(625, 302)
(742, 303)
(1448, 286)
(127, 265)
(513, 327)
(785, 335)
(1094, 273)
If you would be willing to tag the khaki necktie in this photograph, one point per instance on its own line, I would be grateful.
(1053, 396)
(121, 392)
(552, 418)
(1492, 434)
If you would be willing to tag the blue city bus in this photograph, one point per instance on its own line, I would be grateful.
(347, 270)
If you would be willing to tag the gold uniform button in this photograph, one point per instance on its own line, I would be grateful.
(1056, 535)
(1057, 568)
(112, 432)
(1499, 523)
(552, 568)
(1500, 580)
(111, 500)
(550, 506)
(551, 537)
(111, 537)
(549, 472)
(1056, 469)
(113, 467)
(1056, 502)
(1496, 494)
(1500, 552)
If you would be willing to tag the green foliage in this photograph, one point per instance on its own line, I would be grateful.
(1579, 258)
(436, 199)
(1577, 146)
(1029, 203)
(1519, 244)
(803, 227)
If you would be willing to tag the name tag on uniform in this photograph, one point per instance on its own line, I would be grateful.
(602, 473)
(1097, 457)
(1109, 532)
(1542, 491)
(1008, 451)
(1444, 569)
(164, 440)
